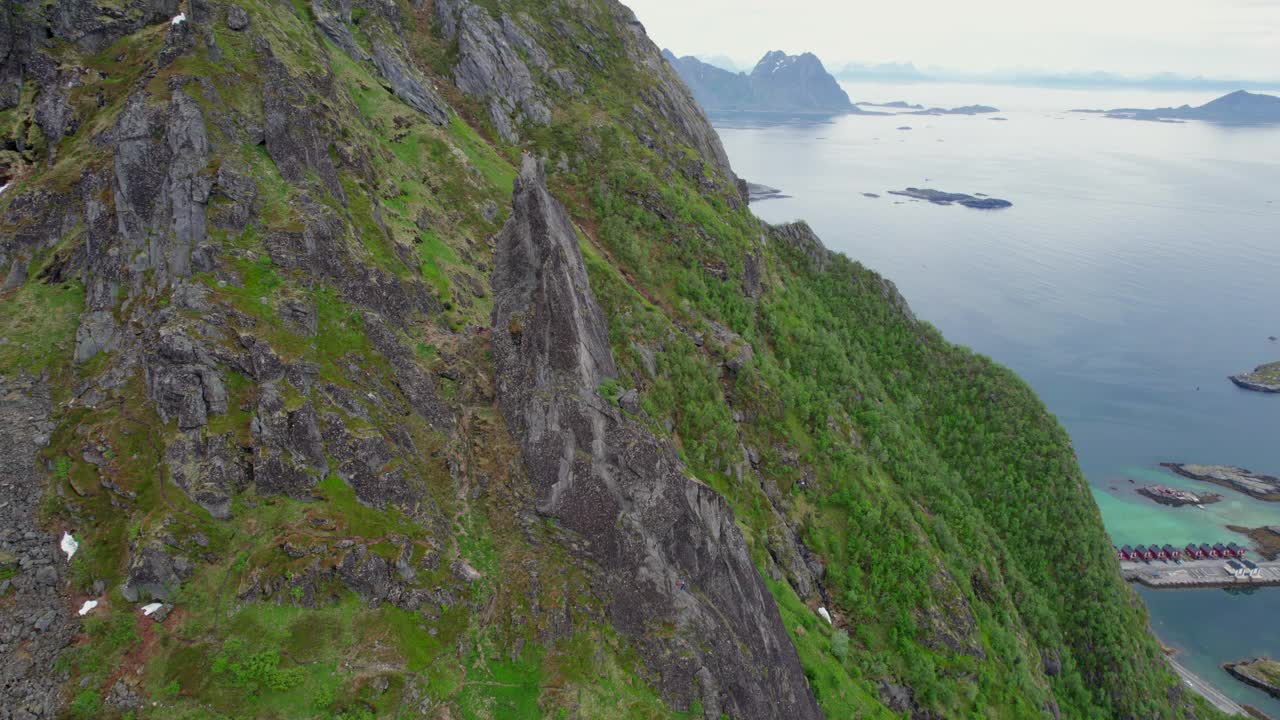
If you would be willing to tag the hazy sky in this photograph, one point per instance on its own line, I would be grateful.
(1237, 39)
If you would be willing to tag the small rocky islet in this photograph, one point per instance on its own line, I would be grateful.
(1177, 498)
(938, 197)
(1255, 485)
(1266, 539)
(1264, 378)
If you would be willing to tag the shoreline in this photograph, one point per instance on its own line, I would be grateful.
(1234, 671)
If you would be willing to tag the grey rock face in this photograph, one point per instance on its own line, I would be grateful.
(409, 85)
(489, 66)
(209, 470)
(97, 333)
(289, 456)
(153, 574)
(334, 19)
(34, 623)
(93, 26)
(667, 545)
(188, 189)
(239, 191)
(299, 315)
(160, 191)
(801, 238)
(183, 380)
(294, 137)
(322, 249)
(902, 699)
(237, 18)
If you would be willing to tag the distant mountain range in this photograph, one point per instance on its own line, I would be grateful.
(1237, 108)
(909, 73)
(780, 83)
(906, 72)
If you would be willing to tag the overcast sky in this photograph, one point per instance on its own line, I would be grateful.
(1236, 39)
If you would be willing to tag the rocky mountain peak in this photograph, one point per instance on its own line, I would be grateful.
(779, 83)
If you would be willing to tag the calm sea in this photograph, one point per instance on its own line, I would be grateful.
(1139, 266)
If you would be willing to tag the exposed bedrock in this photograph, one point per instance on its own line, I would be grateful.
(667, 546)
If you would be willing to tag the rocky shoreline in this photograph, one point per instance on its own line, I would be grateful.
(1264, 378)
(757, 192)
(1261, 673)
(1266, 540)
(1255, 485)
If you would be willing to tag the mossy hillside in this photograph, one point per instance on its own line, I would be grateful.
(886, 415)
(919, 472)
(217, 654)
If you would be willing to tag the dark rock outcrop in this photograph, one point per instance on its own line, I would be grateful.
(208, 469)
(666, 545)
(153, 574)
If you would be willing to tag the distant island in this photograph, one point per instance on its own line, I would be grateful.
(1238, 108)
(1264, 378)
(966, 110)
(1261, 673)
(780, 83)
(902, 73)
(1256, 485)
(938, 197)
(896, 104)
(917, 109)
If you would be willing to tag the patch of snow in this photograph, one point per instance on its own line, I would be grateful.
(69, 545)
(88, 606)
(178, 19)
(822, 613)
(4, 187)
(148, 609)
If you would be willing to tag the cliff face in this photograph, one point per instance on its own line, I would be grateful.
(379, 416)
(664, 546)
(779, 83)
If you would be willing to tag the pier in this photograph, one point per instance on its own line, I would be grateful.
(1208, 573)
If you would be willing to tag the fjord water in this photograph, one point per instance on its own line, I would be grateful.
(1138, 267)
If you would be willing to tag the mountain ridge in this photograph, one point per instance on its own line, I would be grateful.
(286, 309)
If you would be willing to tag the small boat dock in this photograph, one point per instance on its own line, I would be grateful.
(1207, 573)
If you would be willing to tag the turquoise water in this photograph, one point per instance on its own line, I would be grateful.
(1139, 266)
